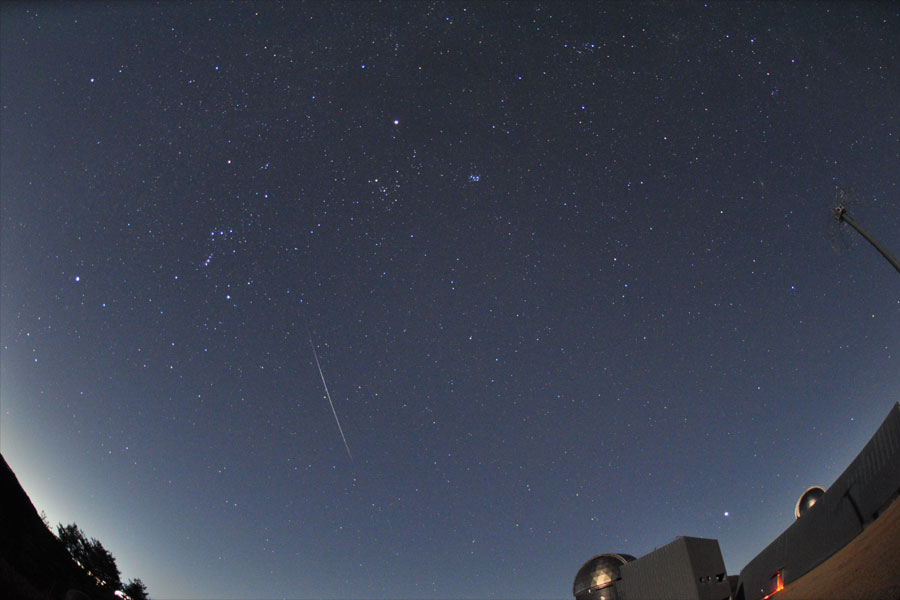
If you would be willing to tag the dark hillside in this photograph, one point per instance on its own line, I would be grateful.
(33, 562)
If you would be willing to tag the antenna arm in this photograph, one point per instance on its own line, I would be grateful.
(840, 213)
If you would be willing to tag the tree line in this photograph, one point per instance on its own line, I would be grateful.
(98, 562)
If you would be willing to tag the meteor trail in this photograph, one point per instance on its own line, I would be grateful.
(328, 395)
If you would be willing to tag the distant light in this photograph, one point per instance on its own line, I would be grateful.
(726, 513)
(396, 121)
(77, 278)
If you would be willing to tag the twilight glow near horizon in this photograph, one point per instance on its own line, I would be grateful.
(568, 271)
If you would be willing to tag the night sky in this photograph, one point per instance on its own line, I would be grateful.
(569, 270)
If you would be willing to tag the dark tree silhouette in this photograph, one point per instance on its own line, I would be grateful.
(102, 565)
(136, 590)
(91, 555)
(74, 540)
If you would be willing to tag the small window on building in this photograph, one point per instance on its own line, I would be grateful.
(720, 577)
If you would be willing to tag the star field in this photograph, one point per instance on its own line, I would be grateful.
(569, 270)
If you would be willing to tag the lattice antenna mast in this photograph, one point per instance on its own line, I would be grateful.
(840, 213)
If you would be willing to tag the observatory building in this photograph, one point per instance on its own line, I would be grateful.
(688, 568)
(843, 544)
(596, 579)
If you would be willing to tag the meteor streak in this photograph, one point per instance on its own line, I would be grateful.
(328, 395)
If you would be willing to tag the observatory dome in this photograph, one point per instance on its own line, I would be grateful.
(597, 574)
(807, 499)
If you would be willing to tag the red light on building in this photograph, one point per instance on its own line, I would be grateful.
(779, 585)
